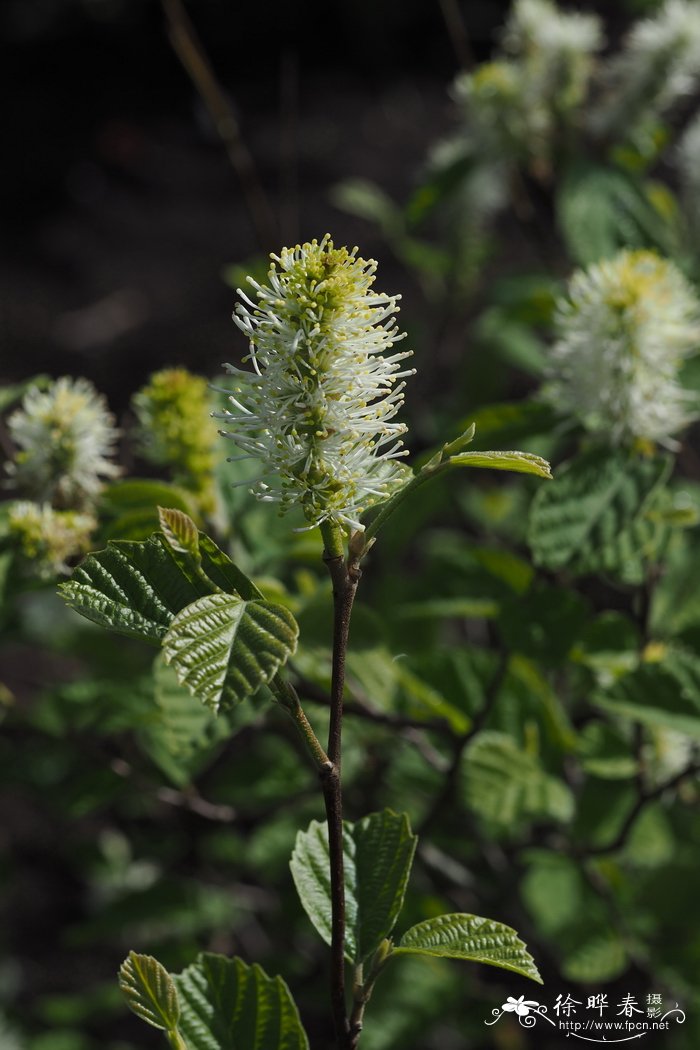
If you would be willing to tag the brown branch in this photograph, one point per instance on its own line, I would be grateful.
(191, 53)
(361, 708)
(449, 784)
(345, 578)
(643, 800)
(457, 32)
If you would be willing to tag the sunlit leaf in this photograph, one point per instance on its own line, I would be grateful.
(223, 648)
(150, 991)
(470, 937)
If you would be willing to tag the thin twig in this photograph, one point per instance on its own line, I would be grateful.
(345, 578)
(191, 53)
(457, 32)
(642, 801)
(449, 784)
(361, 708)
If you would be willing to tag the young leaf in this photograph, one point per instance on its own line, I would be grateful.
(518, 462)
(132, 588)
(150, 991)
(226, 1004)
(223, 649)
(180, 532)
(461, 936)
(378, 854)
(195, 550)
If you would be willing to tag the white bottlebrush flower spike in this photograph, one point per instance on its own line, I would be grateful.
(64, 436)
(557, 49)
(540, 26)
(660, 62)
(624, 330)
(515, 105)
(319, 409)
(49, 538)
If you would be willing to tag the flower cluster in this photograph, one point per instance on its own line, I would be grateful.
(49, 538)
(515, 105)
(556, 50)
(659, 63)
(174, 429)
(624, 330)
(318, 410)
(64, 436)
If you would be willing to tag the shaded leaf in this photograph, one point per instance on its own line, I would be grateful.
(544, 623)
(181, 733)
(378, 854)
(664, 694)
(368, 201)
(227, 1005)
(505, 784)
(601, 210)
(470, 937)
(589, 519)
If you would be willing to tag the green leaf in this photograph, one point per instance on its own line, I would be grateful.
(601, 210)
(555, 893)
(590, 519)
(181, 734)
(447, 176)
(544, 623)
(223, 649)
(513, 341)
(180, 532)
(598, 960)
(131, 507)
(219, 568)
(368, 201)
(506, 784)
(605, 753)
(150, 991)
(137, 588)
(519, 462)
(133, 588)
(227, 1005)
(510, 422)
(378, 854)
(676, 599)
(470, 937)
(663, 694)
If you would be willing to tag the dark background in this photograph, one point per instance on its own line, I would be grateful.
(120, 205)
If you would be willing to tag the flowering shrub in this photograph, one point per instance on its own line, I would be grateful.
(393, 710)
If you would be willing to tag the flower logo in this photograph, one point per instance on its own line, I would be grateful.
(520, 1006)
